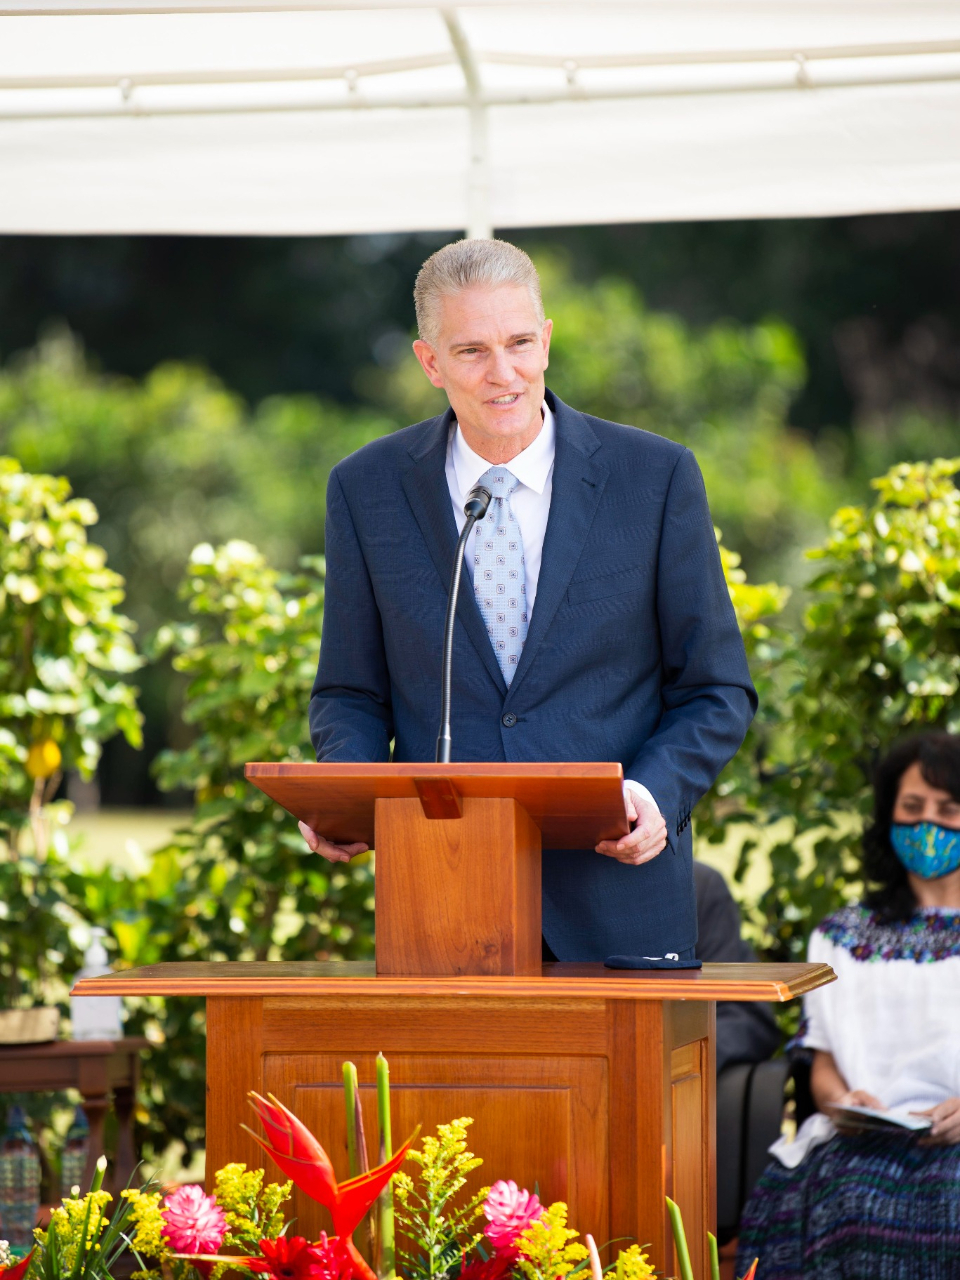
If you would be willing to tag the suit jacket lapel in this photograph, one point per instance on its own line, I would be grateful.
(425, 484)
(578, 483)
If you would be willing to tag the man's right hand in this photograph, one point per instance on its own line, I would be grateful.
(332, 852)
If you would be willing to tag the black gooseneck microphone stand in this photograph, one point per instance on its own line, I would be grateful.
(475, 508)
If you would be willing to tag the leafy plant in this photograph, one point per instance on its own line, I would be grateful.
(435, 1231)
(83, 1241)
(64, 649)
(65, 657)
(739, 790)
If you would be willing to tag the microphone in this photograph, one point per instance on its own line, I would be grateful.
(475, 508)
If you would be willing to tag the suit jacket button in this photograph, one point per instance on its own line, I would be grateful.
(508, 720)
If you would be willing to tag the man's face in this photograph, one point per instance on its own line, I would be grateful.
(490, 358)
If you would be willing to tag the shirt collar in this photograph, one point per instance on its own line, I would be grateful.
(532, 467)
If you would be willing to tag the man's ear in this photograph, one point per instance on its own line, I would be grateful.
(428, 361)
(545, 335)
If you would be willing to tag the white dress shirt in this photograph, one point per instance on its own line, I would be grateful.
(530, 503)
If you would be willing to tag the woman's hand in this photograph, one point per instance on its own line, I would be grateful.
(859, 1098)
(831, 1090)
(946, 1124)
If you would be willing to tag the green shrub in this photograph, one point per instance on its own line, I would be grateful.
(878, 656)
(239, 883)
(65, 653)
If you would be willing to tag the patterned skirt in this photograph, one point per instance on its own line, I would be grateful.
(860, 1207)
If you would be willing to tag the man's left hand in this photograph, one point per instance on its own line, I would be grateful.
(646, 840)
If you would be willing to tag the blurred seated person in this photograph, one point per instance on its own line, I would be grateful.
(746, 1032)
(881, 1205)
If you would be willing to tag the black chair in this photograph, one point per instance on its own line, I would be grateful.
(750, 1102)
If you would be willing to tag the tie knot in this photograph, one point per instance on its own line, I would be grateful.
(500, 481)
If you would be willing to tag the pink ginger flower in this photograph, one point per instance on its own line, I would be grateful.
(193, 1222)
(509, 1211)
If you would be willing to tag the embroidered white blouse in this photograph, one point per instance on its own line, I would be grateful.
(892, 1018)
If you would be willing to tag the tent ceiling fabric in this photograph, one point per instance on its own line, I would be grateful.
(271, 118)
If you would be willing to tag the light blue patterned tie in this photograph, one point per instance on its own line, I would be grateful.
(499, 577)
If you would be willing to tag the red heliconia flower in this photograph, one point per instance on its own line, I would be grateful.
(302, 1159)
(509, 1211)
(753, 1270)
(193, 1222)
(293, 1258)
(17, 1270)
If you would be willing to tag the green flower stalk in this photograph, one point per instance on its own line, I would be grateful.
(385, 1233)
(356, 1141)
(714, 1256)
(680, 1240)
(350, 1092)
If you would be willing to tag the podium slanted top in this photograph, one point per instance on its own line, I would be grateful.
(575, 805)
(358, 978)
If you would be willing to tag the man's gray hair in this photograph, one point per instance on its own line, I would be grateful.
(470, 262)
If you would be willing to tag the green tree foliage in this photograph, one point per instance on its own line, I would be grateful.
(171, 461)
(878, 656)
(65, 655)
(250, 654)
(64, 649)
(768, 643)
(176, 459)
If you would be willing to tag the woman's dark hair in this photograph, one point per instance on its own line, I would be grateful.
(888, 890)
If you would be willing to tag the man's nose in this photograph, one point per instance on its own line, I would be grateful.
(500, 369)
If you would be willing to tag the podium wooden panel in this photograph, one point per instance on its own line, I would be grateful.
(596, 1084)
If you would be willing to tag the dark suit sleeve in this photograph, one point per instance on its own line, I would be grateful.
(350, 716)
(746, 1031)
(707, 696)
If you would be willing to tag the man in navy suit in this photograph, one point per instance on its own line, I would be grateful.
(594, 622)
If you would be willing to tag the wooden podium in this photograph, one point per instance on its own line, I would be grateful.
(595, 1085)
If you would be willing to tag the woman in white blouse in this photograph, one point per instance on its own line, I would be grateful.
(838, 1204)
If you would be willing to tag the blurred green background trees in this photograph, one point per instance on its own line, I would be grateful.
(203, 428)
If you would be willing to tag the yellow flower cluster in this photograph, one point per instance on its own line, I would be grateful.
(633, 1264)
(447, 1153)
(429, 1212)
(547, 1248)
(147, 1235)
(67, 1224)
(252, 1210)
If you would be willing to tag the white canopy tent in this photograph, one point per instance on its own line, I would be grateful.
(235, 117)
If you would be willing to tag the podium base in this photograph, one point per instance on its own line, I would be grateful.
(597, 1086)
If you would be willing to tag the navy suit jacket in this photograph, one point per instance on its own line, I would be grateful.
(633, 652)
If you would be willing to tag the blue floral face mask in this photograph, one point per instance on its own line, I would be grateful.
(926, 849)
